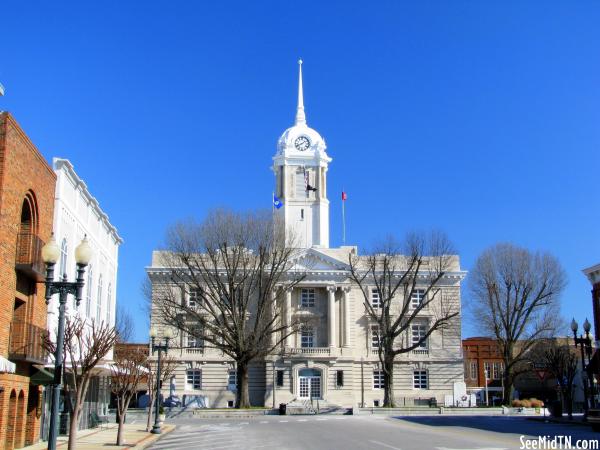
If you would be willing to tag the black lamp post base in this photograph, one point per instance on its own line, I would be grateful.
(156, 429)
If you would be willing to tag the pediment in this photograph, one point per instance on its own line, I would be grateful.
(312, 260)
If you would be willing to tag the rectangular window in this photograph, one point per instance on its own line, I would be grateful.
(487, 370)
(232, 380)
(279, 377)
(307, 298)
(195, 341)
(420, 379)
(375, 339)
(194, 298)
(302, 214)
(339, 380)
(473, 370)
(307, 337)
(419, 331)
(193, 379)
(378, 382)
(498, 369)
(376, 299)
(416, 298)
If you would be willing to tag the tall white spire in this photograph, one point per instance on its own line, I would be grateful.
(300, 116)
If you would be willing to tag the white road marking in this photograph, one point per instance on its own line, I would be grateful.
(283, 421)
(301, 420)
(264, 421)
(385, 445)
(243, 423)
(322, 419)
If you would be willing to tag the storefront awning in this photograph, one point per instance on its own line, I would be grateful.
(42, 377)
(6, 366)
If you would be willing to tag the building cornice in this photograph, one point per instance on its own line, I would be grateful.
(67, 167)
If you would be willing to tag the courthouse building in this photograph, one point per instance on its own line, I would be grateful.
(333, 357)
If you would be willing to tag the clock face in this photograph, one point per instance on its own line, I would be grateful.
(302, 143)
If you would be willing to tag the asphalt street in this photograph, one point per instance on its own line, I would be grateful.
(362, 432)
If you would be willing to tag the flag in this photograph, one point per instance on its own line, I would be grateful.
(276, 202)
(344, 196)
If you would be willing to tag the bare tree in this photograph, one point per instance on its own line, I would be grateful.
(86, 344)
(515, 298)
(168, 365)
(123, 324)
(226, 282)
(405, 280)
(561, 361)
(128, 369)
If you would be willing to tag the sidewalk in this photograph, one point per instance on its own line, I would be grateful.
(134, 437)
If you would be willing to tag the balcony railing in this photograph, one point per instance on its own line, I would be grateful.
(29, 255)
(421, 351)
(310, 351)
(194, 350)
(25, 342)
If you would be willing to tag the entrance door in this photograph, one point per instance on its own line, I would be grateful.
(309, 384)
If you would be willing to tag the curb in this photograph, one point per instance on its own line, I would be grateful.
(562, 422)
(152, 438)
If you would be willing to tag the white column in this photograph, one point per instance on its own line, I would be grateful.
(346, 292)
(288, 316)
(331, 315)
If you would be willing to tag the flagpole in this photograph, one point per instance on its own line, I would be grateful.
(343, 218)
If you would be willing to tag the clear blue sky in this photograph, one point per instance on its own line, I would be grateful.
(478, 118)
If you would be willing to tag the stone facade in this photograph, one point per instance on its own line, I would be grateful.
(331, 358)
(339, 355)
(26, 201)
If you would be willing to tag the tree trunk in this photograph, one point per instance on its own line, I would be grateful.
(149, 420)
(388, 382)
(120, 429)
(242, 396)
(507, 389)
(569, 402)
(73, 421)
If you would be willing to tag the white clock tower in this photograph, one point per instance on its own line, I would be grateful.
(300, 167)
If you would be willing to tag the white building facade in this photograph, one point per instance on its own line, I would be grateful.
(77, 214)
(333, 356)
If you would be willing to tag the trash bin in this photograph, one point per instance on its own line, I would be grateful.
(282, 407)
(433, 402)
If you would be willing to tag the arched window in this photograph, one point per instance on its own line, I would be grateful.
(108, 303)
(99, 301)
(88, 298)
(63, 258)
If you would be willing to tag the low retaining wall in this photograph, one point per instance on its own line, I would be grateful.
(426, 411)
(233, 413)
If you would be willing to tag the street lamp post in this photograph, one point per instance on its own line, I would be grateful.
(51, 254)
(158, 348)
(585, 344)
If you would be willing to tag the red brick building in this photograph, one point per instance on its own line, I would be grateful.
(481, 354)
(27, 186)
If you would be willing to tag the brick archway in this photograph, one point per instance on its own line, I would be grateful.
(20, 421)
(12, 419)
